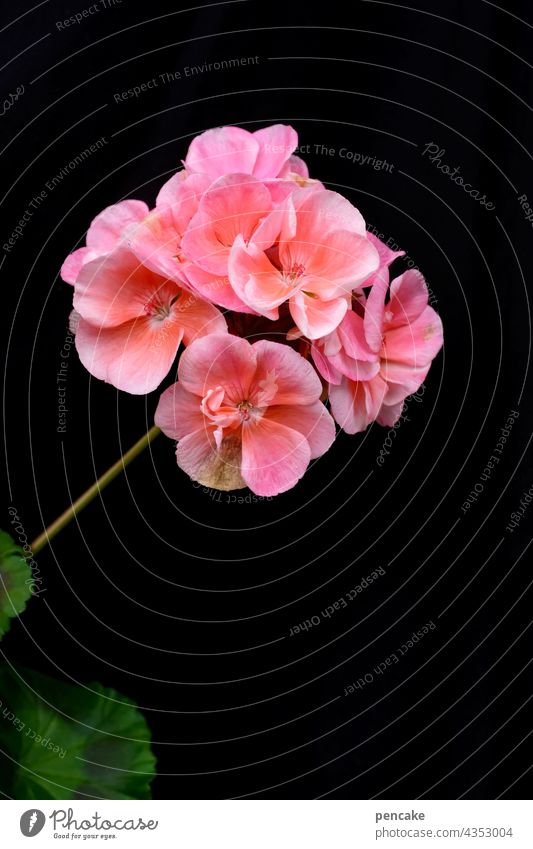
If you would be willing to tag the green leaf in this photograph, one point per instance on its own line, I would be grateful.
(15, 581)
(71, 742)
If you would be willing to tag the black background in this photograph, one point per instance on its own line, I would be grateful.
(185, 603)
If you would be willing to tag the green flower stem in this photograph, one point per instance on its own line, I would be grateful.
(50, 532)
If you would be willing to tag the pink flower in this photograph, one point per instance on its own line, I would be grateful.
(132, 321)
(231, 150)
(373, 363)
(322, 255)
(103, 235)
(245, 415)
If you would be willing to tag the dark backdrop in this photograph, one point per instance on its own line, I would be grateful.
(185, 603)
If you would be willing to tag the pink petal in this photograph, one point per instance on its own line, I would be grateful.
(276, 143)
(224, 150)
(355, 369)
(116, 288)
(134, 357)
(316, 318)
(107, 228)
(215, 288)
(351, 333)
(157, 239)
(194, 450)
(73, 263)
(415, 344)
(386, 255)
(356, 404)
(168, 191)
(348, 405)
(293, 377)
(274, 457)
(197, 317)
(213, 465)
(376, 390)
(234, 205)
(178, 412)
(323, 212)
(408, 298)
(312, 421)
(157, 244)
(294, 165)
(374, 309)
(324, 366)
(389, 414)
(255, 280)
(218, 360)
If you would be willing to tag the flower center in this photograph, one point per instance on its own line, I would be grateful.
(296, 271)
(160, 308)
(245, 409)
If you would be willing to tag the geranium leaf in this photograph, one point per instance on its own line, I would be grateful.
(71, 741)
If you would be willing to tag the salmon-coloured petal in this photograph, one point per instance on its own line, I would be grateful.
(274, 457)
(312, 421)
(224, 150)
(283, 376)
(74, 262)
(107, 228)
(178, 412)
(344, 258)
(316, 318)
(116, 288)
(276, 144)
(218, 360)
(134, 356)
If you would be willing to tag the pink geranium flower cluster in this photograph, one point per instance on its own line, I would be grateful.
(280, 297)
